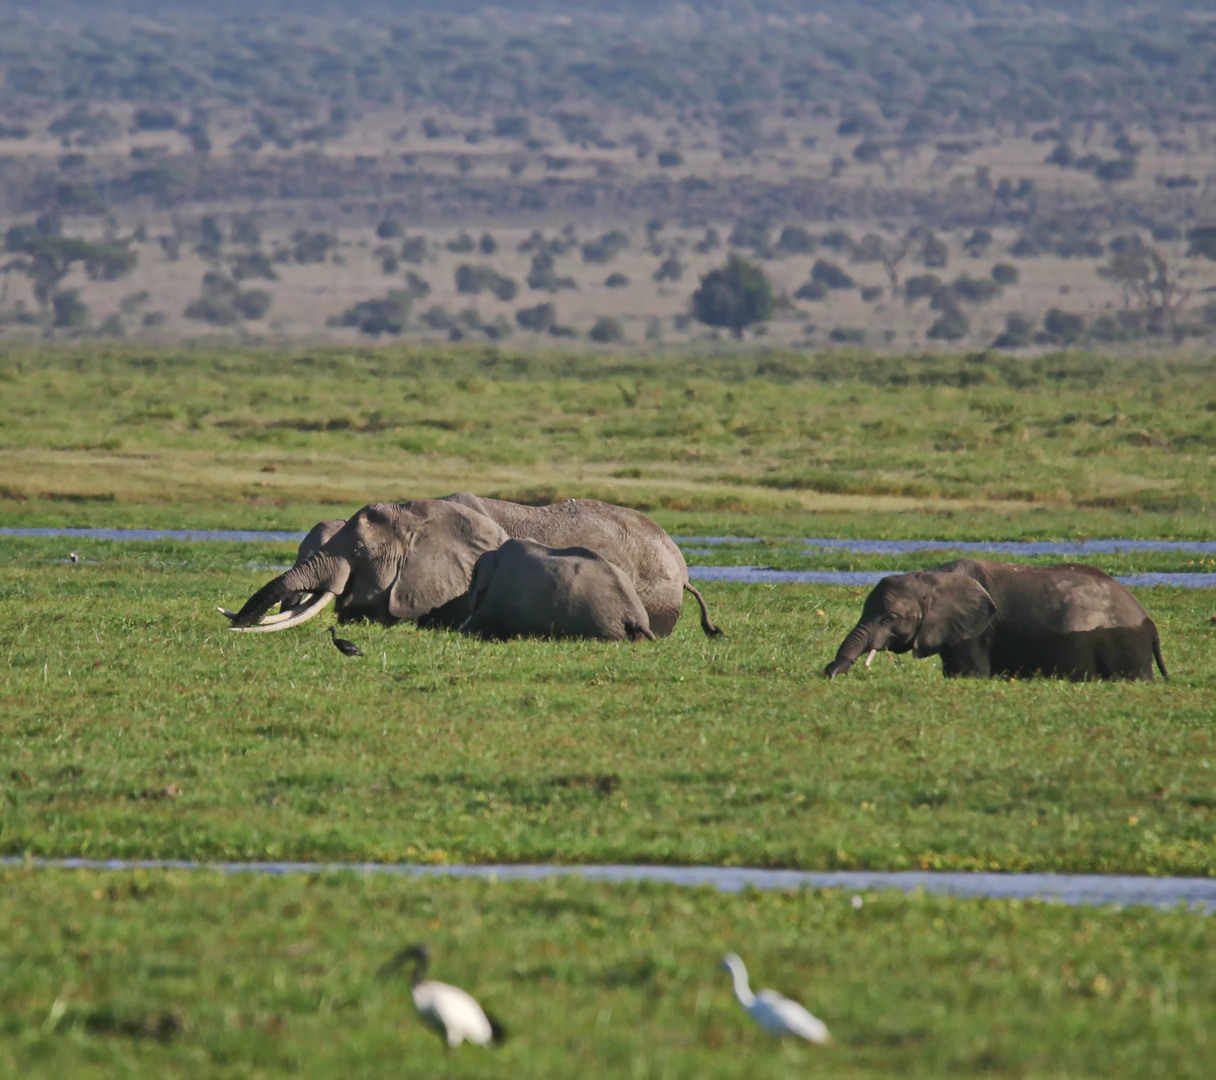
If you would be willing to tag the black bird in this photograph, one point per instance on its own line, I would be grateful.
(346, 648)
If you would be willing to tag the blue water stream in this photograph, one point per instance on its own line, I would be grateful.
(1198, 894)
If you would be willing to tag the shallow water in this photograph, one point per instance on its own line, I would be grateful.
(817, 544)
(1198, 894)
(763, 575)
(1001, 547)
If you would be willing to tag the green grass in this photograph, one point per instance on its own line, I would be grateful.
(118, 680)
(244, 977)
(975, 447)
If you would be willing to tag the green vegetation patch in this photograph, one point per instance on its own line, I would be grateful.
(155, 974)
(136, 724)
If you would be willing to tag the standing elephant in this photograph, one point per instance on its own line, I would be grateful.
(623, 536)
(525, 589)
(390, 563)
(1002, 619)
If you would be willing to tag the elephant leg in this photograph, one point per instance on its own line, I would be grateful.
(968, 660)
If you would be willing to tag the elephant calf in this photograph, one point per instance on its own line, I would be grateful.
(525, 589)
(992, 619)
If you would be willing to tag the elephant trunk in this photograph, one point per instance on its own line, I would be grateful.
(851, 648)
(323, 575)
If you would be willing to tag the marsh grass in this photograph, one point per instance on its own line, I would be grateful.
(137, 725)
(973, 447)
(155, 974)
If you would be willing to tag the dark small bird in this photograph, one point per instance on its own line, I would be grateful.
(454, 1014)
(346, 648)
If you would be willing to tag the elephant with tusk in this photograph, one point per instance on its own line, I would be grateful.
(623, 536)
(990, 619)
(390, 563)
(525, 589)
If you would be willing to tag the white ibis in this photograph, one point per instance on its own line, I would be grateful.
(346, 648)
(774, 1012)
(455, 1015)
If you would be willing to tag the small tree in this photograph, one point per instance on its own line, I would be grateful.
(734, 296)
(46, 257)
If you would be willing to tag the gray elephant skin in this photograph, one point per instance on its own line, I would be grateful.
(623, 536)
(390, 563)
(1001, 619)
(525, 589)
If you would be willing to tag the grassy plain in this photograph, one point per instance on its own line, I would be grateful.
(137, 725)
(780, 444)
(173, 974)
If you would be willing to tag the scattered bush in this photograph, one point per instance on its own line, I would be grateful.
(388, 314)
(1019, 332)
(254, 265)
(413, 250)
(606, 330)
(921, 285)
(543, 274)
(831, 275)
(670, 269)
(811, 290)
(605, 248)
(1063, 327)
(950, 326)
(934, 253)
(537, 319)
(476, 279)
(973, 290)
(847, 335)
(311, 247)
(795, 240)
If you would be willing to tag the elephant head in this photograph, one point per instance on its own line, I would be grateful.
(924, 612)
(391, 562)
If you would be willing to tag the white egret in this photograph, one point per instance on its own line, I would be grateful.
(454, 1014)
(772, 1011)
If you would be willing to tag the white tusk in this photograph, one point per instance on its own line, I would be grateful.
(270, 620)
(873, 653)
(293, 618)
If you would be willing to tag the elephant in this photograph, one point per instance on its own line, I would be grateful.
(991, 619)
(525, 589)
(620, 534)
(390, 563)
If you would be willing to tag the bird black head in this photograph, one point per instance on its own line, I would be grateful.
(417, 953)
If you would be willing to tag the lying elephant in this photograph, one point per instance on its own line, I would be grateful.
(994, 619)
(621, 535)
(525, 589)
(390, 563)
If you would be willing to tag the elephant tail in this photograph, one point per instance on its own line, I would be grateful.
(1157, 653)
(706, 625)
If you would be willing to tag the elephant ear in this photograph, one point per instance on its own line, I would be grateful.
(957, 608)
(437, 566)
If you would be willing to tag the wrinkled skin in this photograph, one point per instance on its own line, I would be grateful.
(623, 536)
(390, 563)
(525, 589)
(1001, 619)
(318, 536)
